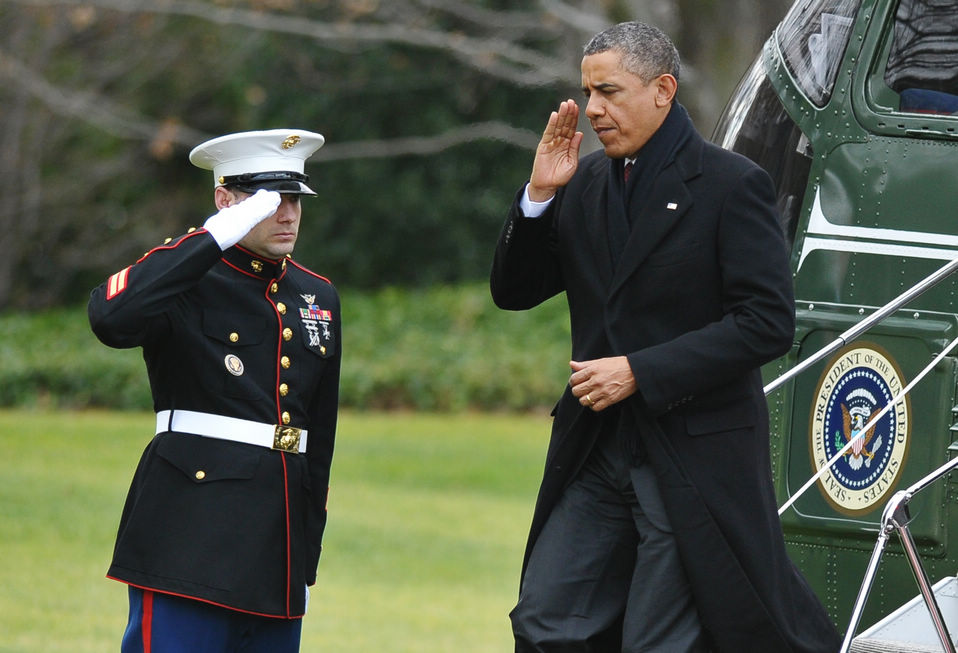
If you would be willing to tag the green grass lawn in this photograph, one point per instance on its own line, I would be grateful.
(428, 518)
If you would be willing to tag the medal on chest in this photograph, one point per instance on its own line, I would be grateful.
(316, 324)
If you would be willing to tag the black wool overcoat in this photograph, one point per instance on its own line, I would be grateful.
(700, 298)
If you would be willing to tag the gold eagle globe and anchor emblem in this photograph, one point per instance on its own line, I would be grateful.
(286, 438)
(290, 141)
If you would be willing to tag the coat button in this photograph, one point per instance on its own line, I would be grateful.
(287, 334)
(200, 475)
(286, 418)
(284, 361)
(234, 337)
(281, 307)
(274, 288)
(283, 389)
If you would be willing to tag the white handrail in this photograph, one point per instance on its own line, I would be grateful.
(860, 327)
(896, 517)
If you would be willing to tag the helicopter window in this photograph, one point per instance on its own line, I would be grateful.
(813, 38)
(923, 59)
(757, 125)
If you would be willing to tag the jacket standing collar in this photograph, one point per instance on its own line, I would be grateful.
(253, 265)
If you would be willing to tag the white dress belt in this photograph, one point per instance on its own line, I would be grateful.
(208, 425)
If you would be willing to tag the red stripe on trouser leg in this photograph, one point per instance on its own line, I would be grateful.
(147, 624)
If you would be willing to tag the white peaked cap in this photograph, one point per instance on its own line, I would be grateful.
(242, 158)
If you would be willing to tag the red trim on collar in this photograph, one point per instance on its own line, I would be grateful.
(242, 271)
(290, 261)
(274, 261)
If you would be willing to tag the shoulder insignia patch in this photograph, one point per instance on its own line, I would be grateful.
(117, 283)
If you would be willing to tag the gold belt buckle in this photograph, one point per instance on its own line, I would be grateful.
(286, 438)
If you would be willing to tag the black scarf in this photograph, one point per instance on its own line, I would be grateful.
(626, 200)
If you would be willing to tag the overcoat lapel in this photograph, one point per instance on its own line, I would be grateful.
(653, 218)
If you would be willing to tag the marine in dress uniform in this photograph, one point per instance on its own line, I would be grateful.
(222, 529)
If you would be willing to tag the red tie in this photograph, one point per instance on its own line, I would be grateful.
(628, 171)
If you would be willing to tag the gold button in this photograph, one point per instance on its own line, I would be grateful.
(284, 264)
(168, 240)
(322, 349)
(283, 389)
(281, 307)
(191, 230)
(286, 418)
(287, 334)
(274, 287)
(234, 337)
(200, 475)
(284, 361)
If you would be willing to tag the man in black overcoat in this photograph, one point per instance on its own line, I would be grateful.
(655, 527)
(223, 525)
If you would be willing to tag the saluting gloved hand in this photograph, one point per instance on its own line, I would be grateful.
(232, 223)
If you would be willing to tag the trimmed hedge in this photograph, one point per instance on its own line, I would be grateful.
(441, 349)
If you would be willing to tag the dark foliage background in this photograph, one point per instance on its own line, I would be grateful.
(430, 108)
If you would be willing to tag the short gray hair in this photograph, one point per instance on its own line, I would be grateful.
(646, 50)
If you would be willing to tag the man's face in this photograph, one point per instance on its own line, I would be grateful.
(275, 236)
(623, 110)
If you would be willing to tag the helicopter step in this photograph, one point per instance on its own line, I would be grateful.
(909, 629)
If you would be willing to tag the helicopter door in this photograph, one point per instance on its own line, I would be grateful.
(879, 215)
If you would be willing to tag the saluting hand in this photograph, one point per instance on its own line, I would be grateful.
(557, 155)
(231, 224)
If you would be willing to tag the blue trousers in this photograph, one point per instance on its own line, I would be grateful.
(161, 623)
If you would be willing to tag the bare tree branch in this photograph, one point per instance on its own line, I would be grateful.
(493, 56)
(91, 108)
(97, 110)
(494, 19)
(423, 145)
(582, 21)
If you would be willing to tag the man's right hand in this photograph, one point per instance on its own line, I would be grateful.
(557, 155)
(231, 224)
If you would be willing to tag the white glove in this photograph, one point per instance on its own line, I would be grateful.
(232, 223)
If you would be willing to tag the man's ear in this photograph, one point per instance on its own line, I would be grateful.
(666, 87)
(223, 197)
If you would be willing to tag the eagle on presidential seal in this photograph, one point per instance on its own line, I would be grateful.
(854, 418)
